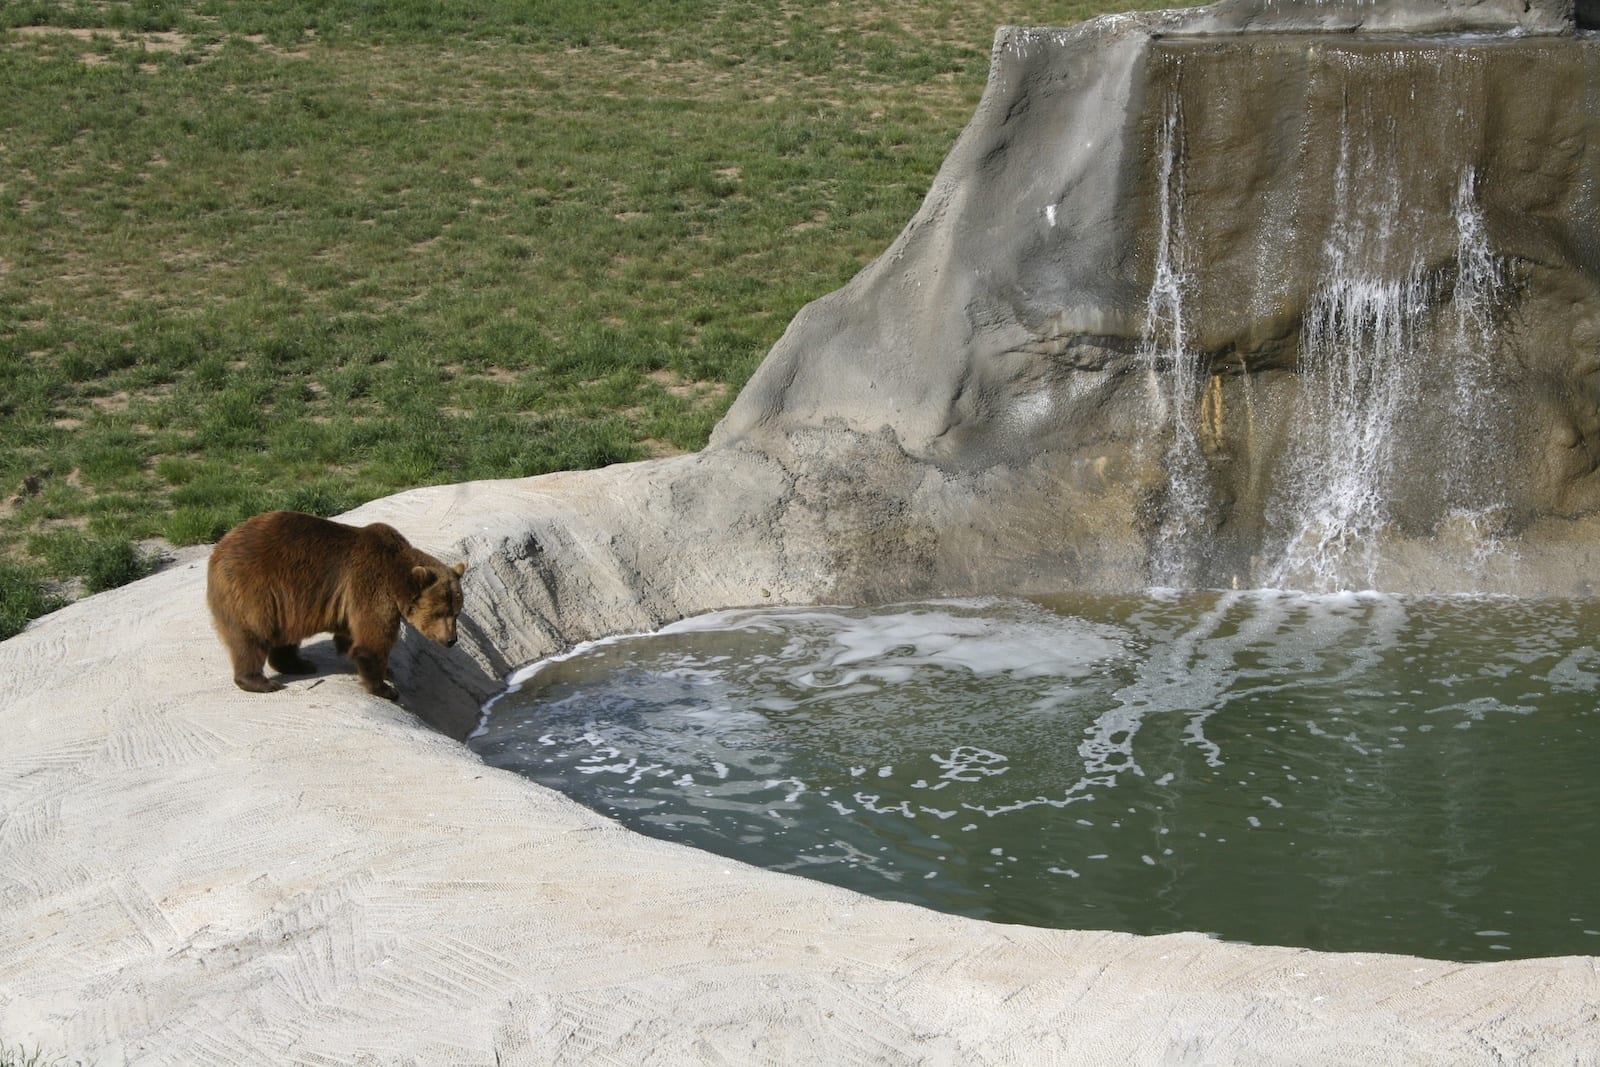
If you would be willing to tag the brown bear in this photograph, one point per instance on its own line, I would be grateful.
(280, 577)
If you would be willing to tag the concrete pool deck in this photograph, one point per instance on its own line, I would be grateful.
(192, 874)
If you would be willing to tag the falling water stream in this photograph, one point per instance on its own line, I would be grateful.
(1373, 348)
(1394, 425)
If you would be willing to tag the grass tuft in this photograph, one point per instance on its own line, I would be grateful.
(23, 596)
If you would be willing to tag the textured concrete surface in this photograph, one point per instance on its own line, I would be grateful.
(192, 874)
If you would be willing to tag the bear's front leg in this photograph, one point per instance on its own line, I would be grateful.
(249, 655)
(372, 667)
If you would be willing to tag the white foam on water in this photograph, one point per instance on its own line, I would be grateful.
(846, 655)
(1570, 674)
(982, 636)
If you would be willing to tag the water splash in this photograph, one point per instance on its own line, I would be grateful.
(1373, 351)
(1357, 380)
(1476, 487)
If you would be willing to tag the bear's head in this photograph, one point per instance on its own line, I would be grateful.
(436, 601)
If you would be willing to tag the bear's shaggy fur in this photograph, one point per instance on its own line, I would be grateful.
(280, 577)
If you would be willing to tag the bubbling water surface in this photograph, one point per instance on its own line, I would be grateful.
(1348, 772)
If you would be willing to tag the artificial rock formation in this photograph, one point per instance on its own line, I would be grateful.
(1231, 302)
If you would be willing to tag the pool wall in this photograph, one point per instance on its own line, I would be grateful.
(196, 874)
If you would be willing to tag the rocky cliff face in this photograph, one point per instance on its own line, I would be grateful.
(1216, 297)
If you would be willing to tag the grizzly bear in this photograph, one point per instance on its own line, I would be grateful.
(280, 577)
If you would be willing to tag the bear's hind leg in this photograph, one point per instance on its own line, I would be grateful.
(286, 659)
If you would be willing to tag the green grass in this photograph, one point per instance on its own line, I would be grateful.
(23, 595)
(268, 253)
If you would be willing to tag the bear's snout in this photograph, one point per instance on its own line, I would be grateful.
(445, 633)
(440, 633)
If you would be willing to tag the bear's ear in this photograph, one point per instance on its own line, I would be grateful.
(460, 569)
(423, 577)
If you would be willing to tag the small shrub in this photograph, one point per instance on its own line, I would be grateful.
(21, 1057)
(115, 563)
(203, 524)
(323, 497)
(176, 470)
(102, 563)
(23, 596)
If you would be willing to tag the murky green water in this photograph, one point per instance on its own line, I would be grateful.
(1354, 772)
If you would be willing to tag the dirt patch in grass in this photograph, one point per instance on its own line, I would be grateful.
(674, 384)
(100, 44)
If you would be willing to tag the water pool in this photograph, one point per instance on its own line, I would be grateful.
(1349, 772)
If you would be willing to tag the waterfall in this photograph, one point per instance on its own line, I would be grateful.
(1476, 488)
(1357, 378)
(1393, 429)
(1174, 375)
(1374, 350)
